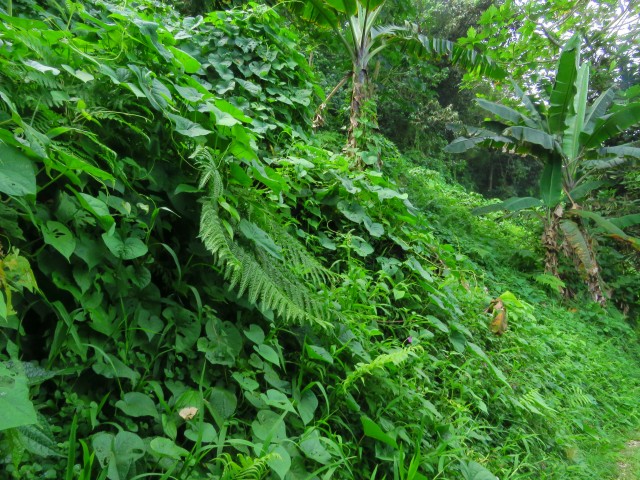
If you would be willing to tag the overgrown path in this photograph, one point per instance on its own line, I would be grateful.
(629, 459)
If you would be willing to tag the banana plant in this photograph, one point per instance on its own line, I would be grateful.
(354, 22)
(569, 136)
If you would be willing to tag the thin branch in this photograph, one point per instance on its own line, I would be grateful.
(318, 120)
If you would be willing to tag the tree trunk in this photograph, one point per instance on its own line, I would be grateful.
(550, 242)
(591, 277)
(359, 97)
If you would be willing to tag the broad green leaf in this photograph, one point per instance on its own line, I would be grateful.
(621, 151)
(232, 110)
(575, 119)
(307, 406)
(205, 432)
(280, 462)
(59, 237)
(475, 471)
(136, 404)
(112, 367)
(516, 204)
(462, 144)
(222, 344)
(224, 402)
(374, 228)
(73, 162)
(318, 353)
(79, 74)
(15, 405)
(277, 399)
(563, 91)
(361, 246)
(223, 119)
(352, 210)
(153, 89)
(580, 245)
(261, 238)
(598, 110)
(38, 439)
(118, 453)
(626, 221)
(4, 310)
(268, 353)
(605, 224)
(506, 113)
(604, 164)
(551, 181)
(269, 426)
(97, 208)
(165, 447)
(17, 176)
(373, 430)
(190, 64)
(532, 135)
(255, 334)
(17, 271)
(124, 249)
(41, 68)
(423, 46)
(187, 127)
(437, 323)
(320, 12)
(513, 204)
(312, 447)
(494, 207)
(458, 341)
(189, 93)
(613, 124)
(245, 383)
(584, 189)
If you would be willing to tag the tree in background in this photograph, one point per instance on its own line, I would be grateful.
(570, 137)
(355, 23)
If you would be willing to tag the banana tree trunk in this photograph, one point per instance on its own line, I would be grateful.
(551, 243)
(585, 260)
(359, 97)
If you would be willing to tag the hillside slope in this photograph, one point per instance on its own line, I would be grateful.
(193, 286)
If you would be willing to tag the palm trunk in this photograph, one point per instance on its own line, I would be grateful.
(359, 97)
(550, 241)
(592, 277)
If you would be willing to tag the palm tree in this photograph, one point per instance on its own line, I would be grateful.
(354, 22)
(569, 136)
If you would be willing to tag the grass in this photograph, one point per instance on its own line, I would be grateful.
(629, 459)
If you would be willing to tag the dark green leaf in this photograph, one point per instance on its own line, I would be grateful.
(59, 237)
(551, 181)
(373, 430)
(17, 176)
(16, 407)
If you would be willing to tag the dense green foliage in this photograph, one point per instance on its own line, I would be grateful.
(192, 286)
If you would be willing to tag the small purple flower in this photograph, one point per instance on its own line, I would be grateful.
(409, 339)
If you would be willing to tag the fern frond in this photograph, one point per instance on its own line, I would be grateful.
(266, 281)
(578, 398)
(248, 468)
(210, 174)
(533, 402)
(104, 114)
(396, 357)
(297, 255)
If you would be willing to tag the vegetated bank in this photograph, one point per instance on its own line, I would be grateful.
(194, 287)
